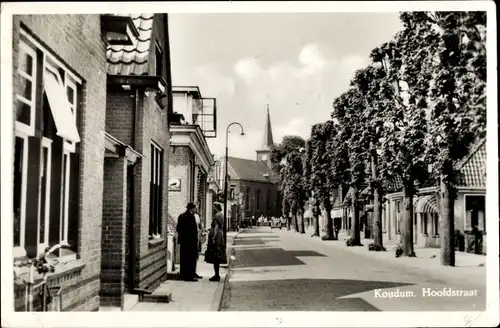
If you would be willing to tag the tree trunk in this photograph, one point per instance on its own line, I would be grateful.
(295, 221)
(302, 228)
(447, 218)
(316, 220)
(329, 220)
(377, 203)
(407, 232)
(288, 222)
(355, 234)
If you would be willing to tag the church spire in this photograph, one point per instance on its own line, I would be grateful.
(268, 133)
(264, 153)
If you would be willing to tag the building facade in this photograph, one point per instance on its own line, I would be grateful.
(190, 158)
(59, 112)
(87, 170)
(136, 161)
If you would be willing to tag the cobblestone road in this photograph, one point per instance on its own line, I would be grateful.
(279, 270)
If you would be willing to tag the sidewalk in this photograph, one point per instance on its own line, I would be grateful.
(469, 268)
(203, 295)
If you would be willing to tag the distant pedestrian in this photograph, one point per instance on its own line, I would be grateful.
(216, 247)
(187, 231)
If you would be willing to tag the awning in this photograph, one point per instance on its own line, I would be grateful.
(426, 204)
(60, 108)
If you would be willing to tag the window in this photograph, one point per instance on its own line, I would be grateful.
(156, 191)
(247, 199)
(44, 192)
(258, 200)
(71, 92)
(231, 193)
(435, 224)
(63, 223)
(424, 222)
(159, 60)
(20, 179)
(26, 89)
(398, 216)
(264, 157)
(51, 155)
(475, 212)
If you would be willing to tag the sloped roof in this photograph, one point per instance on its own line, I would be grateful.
(246, 169)
(132, 60)
(473, 168)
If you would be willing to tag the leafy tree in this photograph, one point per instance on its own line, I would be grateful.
(287, 163)
(378, 92)
(310, 182)
(347, 113)
(407, 60)
(294, 190)
(458, 116)
(320, 171)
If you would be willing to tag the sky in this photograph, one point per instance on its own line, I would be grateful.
(298, 63)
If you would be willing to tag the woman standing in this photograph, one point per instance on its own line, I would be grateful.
(216, 247)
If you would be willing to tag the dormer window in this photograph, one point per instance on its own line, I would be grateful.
(118, 30)
(159, 60)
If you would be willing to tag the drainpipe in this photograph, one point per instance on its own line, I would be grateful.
(132, 207)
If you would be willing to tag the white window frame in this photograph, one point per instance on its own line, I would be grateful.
(68, 82)
(64, 205)
(20, 250)
(50, 57)
(67, 145)
(46, 143)
(19, 126)
(155, 178)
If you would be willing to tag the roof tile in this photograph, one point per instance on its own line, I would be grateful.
(132, 60)
(473, 170)
(246, 169)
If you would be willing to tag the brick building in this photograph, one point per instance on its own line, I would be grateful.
(78, 156)
(58, 149)
(190, 158)
(251, 189)
(134, 224)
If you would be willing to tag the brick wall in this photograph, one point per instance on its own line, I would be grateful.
(119, 115)
(76, 40)
(179, 169)
(152, 126)
(113, 231)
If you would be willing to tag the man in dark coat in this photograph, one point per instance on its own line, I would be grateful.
(187, 231)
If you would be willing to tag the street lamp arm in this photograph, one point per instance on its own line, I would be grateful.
(231, 124)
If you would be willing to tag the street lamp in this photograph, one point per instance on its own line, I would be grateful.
(225, 179)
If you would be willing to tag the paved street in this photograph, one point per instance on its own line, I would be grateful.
(278, 270)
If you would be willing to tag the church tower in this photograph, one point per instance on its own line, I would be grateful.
(264, 154)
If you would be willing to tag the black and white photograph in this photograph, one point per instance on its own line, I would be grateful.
(257, 164)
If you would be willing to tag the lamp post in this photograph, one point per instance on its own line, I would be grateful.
(225, 178)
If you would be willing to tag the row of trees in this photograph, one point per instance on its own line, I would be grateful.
(421, 101)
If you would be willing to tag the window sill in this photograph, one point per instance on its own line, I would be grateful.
(425, 235)
(435, 236)
(155, 242)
